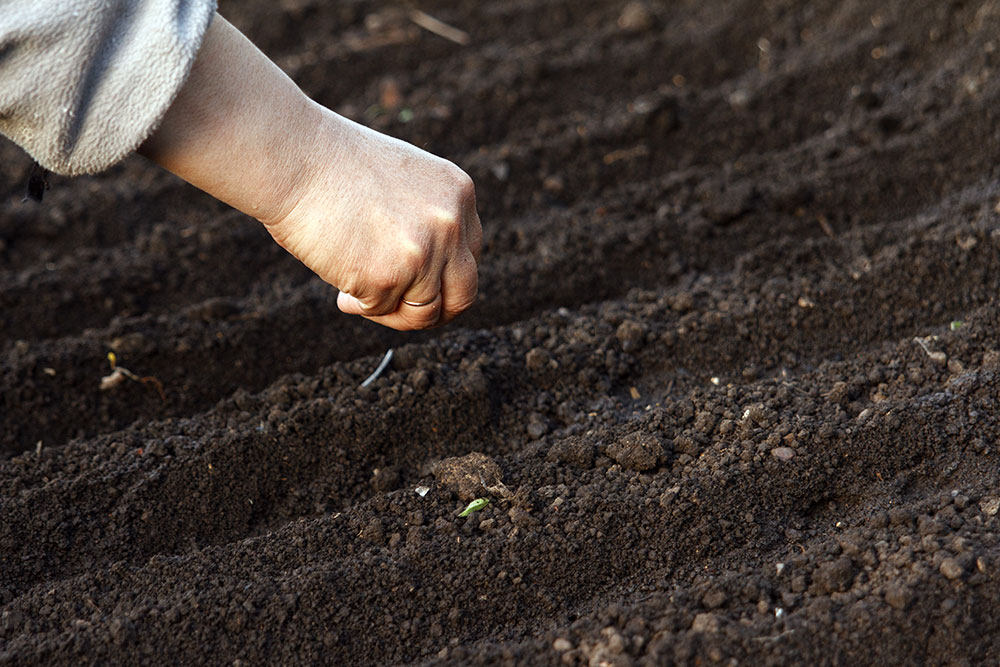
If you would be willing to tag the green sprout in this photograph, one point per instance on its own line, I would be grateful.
(475, 506)
(957, 324)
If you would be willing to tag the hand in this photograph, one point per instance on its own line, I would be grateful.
(386, 223)
(378, 218)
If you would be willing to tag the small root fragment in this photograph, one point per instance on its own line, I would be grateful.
(119, 374)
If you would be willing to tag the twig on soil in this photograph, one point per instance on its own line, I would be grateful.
(439, 28)
(775, 637)
(936, 357)
(825, 226)
(381, 367)
(119, 374)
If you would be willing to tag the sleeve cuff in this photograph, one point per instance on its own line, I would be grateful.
(83, 83)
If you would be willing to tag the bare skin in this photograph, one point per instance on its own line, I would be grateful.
(380, 219)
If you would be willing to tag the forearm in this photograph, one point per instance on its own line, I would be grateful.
(239, 129)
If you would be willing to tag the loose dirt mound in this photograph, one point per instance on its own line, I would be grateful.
(733, 376)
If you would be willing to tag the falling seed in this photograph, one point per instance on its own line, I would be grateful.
(378, 371)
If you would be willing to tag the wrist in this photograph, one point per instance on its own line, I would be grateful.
(239, 129)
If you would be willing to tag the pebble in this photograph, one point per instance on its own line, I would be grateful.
(636, 17)
(990, 505)
(562, 645)
(951, 569)
(783, 453)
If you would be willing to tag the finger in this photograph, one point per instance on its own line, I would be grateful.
(459, 285)
(412, 318)
(350, 304)
(379, 292)
(472, 228)
(474, 233)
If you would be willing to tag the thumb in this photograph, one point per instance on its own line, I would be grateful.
(350, 304)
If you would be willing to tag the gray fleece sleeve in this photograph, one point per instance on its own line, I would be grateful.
(85, 82)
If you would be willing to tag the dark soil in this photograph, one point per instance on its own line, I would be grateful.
(732, 382)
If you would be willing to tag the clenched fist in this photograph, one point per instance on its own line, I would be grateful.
(393, 227)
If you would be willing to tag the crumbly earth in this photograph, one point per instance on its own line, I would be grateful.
(734, 373)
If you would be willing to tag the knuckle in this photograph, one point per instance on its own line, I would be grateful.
(464, 298)
(412, 257)
(460, 186)
(447, 219)
(465, 187)
(376, 308)
(382, 283)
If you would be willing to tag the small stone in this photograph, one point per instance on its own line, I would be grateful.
(562, 645)
(554, 184)
(636, 17)
(951, 568)
(990, 505)
(783, 453)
